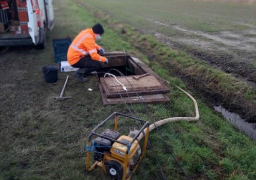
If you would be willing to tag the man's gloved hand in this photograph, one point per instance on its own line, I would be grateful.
(101, 51)
(106, 62)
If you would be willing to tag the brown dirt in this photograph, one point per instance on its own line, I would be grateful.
(233, 52)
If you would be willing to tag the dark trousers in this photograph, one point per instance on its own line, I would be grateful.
(87, 65)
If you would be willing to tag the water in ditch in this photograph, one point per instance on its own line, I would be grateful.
(238, 122)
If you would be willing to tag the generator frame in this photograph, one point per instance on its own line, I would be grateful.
(142, 130)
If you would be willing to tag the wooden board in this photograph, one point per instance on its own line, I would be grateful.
(155, 98)
(144, 86)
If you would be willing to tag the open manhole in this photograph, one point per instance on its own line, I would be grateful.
(148, 88)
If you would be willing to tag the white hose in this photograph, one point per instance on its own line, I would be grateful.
(112, 75)
(167, 120)
(173, 119)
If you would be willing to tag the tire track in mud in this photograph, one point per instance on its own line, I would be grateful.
(232, 52)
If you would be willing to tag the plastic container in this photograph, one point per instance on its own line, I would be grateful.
(65, 67)
(50, 73)
(60, 49)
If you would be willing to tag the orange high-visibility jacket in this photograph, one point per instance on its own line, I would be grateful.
(82, 45)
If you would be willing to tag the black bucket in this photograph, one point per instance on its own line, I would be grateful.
(50, 73)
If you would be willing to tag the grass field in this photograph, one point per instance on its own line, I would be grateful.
(188, 62)
(202, 16)
(42, 138)
(222, 34)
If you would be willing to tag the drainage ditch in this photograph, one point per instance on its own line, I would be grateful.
(129, 66)
(239, 123)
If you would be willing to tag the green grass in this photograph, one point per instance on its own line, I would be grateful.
(42, 138)
(230, 89)
(203, 16)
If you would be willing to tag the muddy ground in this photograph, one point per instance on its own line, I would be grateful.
(232, 51)
(221, 33)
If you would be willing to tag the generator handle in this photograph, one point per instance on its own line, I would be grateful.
(132, 117)
(109, 138)
(103, 122)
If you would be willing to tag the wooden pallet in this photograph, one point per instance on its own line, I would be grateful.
(148, 89)
(154, 98)
(147, 85)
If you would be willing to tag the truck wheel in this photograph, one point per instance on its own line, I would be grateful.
(42, 45)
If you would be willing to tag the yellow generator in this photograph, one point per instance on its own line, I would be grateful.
(118, 155)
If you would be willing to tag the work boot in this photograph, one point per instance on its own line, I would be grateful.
(86, 71)
(79, 75)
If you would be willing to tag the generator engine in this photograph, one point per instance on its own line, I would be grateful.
(118, 155)
(103, 145)
(112, 154)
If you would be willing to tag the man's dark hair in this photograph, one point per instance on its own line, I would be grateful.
(98, 29)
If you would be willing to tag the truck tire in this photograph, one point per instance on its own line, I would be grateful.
(42, 45)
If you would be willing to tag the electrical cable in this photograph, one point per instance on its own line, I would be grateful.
(138, 123)
(153, 151)
(165, 144)
(160, 134)
(161, 122)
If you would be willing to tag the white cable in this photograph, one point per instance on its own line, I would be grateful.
(112, 75)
